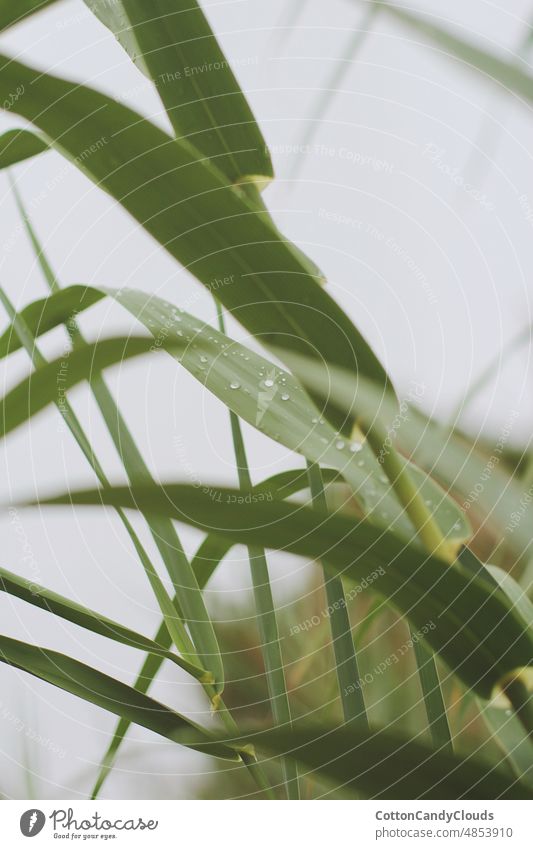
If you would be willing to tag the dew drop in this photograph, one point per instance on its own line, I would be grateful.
(340, 444)
(355, 447)
(269, 383)
(285, 397)
(203, 359)
(235, 384)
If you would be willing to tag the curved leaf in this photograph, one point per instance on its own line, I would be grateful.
(383, 765)
(472, 624)
(18, 145)
(508, 74)
(108, 693)
(39, 596)
(266, 396)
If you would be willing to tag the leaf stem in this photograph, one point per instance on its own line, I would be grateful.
(430, 535)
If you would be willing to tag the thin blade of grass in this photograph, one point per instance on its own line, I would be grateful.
(347, 668)
(510, 75)
(185, 202)
(13, 13)
(71, 611)
(174, 624)
(383, 765)
(264, 608)
(191, 605)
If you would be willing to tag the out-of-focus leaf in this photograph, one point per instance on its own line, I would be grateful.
(18, 145)
(382, 765)
(491, 67)
(185, 203)
(15, 11)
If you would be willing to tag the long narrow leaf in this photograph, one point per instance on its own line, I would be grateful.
(190, 603)
(99, 689)
(262, 394)
(39, 596)
(347, 668)
(385, 766)
(13, 13)
(472, 624)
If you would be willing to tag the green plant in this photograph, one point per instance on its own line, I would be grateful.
(373, 506)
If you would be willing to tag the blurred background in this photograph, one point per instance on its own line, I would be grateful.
(408, 178)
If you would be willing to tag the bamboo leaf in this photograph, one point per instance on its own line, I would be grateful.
(18, 145)
(99, 689)
(33, 593)
(172, 43)
(185, 203)
(472, 624)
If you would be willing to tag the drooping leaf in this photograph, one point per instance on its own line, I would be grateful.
(99, 689)
(473, 625)
(383, 765)
(264, 395)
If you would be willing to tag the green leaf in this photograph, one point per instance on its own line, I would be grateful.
(383, 765)
(210, 553)
(172, 43)
(267, 397)
(185, 203)
(99, 689)
(18, 145)
(13, 13)
(472, 624)
(509, 75)
(33, 593)
(190, 606)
